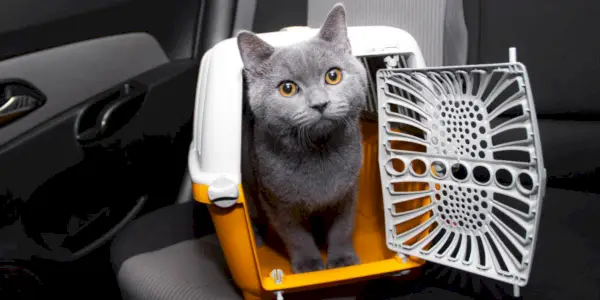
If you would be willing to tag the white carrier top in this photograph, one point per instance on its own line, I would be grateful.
(216, 147)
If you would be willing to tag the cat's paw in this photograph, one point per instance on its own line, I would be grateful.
(344, 259)
(307, 265)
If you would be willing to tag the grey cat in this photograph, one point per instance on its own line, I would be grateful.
(305, 143)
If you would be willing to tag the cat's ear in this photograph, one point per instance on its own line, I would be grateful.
(334, 29)
(254, 50)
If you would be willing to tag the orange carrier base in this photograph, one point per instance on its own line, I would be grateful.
(251, 266)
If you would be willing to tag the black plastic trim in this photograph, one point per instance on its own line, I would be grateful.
(135, 210)
(58, 177)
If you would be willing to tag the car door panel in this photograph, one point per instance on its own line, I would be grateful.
(110, 141)
(32, 25)
(69, 183)
(107, 139)
(72, 73)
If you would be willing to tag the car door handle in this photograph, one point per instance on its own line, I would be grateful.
(110, 112)
(17, 100)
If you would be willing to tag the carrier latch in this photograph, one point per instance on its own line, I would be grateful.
(223, 192)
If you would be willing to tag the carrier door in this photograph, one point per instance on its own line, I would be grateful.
(461, 167)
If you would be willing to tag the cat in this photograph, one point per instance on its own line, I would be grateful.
(305, 141)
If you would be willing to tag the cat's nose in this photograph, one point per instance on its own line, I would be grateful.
(320, 106)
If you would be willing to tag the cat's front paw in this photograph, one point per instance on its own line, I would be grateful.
(342, 259)
(307, 264)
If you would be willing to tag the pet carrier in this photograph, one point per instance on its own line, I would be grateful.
(452, 168)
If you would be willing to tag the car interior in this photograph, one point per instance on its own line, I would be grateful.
(93, 209)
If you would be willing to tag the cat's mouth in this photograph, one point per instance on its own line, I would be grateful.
(323, 124)
(321, 127)
(331, 116)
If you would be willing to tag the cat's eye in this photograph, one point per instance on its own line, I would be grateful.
(288, 88)
(333, 76)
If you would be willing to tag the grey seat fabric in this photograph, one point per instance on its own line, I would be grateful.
(153, 255)
(437, 25)
(191, 269)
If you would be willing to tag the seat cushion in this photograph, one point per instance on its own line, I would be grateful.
(191, 269)
(171, 253)
(566, 265)
(161, 228)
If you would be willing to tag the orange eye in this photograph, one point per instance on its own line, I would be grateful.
(333, 76)
(288, 89)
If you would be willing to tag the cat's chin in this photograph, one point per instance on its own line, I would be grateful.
(324, 127)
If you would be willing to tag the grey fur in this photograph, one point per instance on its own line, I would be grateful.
(304, 161)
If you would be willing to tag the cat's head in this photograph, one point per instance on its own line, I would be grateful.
(315, 85)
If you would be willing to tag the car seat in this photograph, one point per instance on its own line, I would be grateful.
(170, 253)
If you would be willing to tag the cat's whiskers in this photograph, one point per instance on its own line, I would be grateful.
(346, 121)
(338, 113)
(305, 140)
(356, 107)
(300, 119)
(297, 116)
(310, 141)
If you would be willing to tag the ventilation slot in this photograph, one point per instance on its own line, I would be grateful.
(410, 187)
(462, 79)
(507, 115)
(477, 77)
(407, 129)
(506, 92)
(396, 145)
(411, 221)
(481, 249)
(513, 155)
(509, 245)
(496, 252)
(509, 222)
(457, 248)
(447, 244)
(508, 136)
(511, 202)
(372, 64)
(468, 250)
(436, 239)
(404, 111)
(421, 235)
(405, 96)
